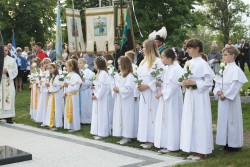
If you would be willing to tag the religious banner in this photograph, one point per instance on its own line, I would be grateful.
(100, 29)
(74, 27)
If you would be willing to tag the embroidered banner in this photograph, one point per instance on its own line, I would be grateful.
(74, 27)
(100, 29)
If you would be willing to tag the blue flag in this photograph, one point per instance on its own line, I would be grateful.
(58, 33)
(13, 39)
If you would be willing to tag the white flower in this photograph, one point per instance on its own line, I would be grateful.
(188, 63)
(64, 69)
(86, 66)
(60, 72)
(65, 72)
(36, 74)
(221, 72)
(42, 74)
(61, 76)
(110, 61)
(34, 65)
(222, 65)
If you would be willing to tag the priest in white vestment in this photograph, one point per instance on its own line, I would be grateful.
(7, 88)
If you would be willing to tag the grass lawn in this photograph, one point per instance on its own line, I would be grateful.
(217, 159)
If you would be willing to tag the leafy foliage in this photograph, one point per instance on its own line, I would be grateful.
(28, 18)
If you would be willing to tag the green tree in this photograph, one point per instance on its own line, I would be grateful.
(28, 18)
(225, 16)
(176, 15)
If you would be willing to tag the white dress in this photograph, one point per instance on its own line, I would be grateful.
(85, 97)
(111, 69)
(72, 113)
(34, 97)
(43, 100)
(56, 103)
(7, 89)
(123, 118)
(136, 102)
(229, 124)
(196, 127)
(100, 123)
(148, 109)
(168, 117)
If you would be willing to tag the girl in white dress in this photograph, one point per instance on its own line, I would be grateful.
(34, 81)
(72, 84)
(43, 97)
(148, 103)
(112, 71)
(85, 91)
(131, 56)
(196, 127)
(227, 87)
(168, 117)
(56, 102)
(100, 123)
(123, 120)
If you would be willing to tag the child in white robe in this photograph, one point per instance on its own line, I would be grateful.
(112, 71)
(72, 84)
(34, 81)
(123, 118)
(100, 123)
(131, 56)
(55, 106)
(196, 127)
(43, 97)
(168, 117)
(85, 93)
(148, 103)
(227, 87)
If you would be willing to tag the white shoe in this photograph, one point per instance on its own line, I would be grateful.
(71, 131)
(97, 137)
(190, 157)
(142, 145)
(54, 129)
(148, 145)
(125, 141)
(196, 158)
(119, 142)
(43, 125)
(163, 151)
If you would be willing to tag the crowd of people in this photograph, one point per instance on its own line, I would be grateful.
(137, 95)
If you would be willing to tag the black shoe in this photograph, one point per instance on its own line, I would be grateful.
(234, 149)
(9, 121)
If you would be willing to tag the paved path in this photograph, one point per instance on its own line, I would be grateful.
(55, 149)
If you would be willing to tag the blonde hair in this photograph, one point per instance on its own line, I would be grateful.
(126, 66)
(46, 60)
(131, 55)
(83, 60)
(151, 52)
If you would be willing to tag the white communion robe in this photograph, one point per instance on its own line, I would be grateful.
(229, 123)
(168, 117)
(196, 127)
(148, 109)
(136, 102)
(100, 123)
(56, 103)
(72, 96)
(123, 116)
(111, 68)
(34, 95)
(43, 99)
(85, 95)
(7, 89)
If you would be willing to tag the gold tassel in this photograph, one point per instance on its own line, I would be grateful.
(52, 112)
